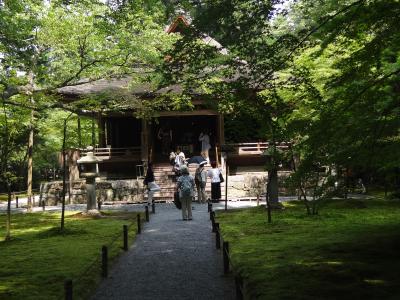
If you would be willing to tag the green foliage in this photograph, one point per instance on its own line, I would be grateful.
(348, 252)
(321, 75)
(38, 259)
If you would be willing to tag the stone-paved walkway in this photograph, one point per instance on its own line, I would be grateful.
(171, 259)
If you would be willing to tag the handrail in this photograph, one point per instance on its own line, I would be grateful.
(109, 151)
(252, 148)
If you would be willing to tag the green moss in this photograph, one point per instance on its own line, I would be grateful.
(39, 258)
(349, 251)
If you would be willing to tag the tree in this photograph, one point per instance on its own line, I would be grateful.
(241, 73)
(50, 45)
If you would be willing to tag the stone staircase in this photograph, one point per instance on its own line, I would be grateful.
(166, 179)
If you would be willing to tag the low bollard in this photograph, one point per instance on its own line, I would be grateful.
(153, 208)
(225, 254)
(147, 213)
(217, 236)
(139, 225)
(239, 285)
(213, 221)
(68, 289)
(125, 230)
(43, 205)
(16, 201)
(104, 262)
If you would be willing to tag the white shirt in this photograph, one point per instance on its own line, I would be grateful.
(214, 175)
(180, 158)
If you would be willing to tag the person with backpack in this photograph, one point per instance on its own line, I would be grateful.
(185, 187)
(200, 178)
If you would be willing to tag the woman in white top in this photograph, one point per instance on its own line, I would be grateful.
(214, 174)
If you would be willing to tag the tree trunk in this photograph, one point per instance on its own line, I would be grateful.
(273, 186)
(8, 222)
(79, 133)
(30, 164)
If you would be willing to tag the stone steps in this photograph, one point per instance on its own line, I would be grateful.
(166, 179)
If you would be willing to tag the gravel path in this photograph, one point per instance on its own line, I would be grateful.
(171, 259)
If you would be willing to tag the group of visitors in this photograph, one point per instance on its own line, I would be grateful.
(186, 185)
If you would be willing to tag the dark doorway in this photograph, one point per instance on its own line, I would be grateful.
(185, 134)
(123, 132)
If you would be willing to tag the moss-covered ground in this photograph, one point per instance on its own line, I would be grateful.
(38, 258)
(351, 250)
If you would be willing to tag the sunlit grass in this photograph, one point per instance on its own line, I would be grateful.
(349, 251)
(39, 258)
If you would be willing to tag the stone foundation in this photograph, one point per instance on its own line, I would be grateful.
(107, 191)
(252, 184)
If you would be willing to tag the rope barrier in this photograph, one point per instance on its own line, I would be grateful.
(227, 259)
(68, 284)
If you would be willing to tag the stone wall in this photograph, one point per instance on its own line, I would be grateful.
(107, 191)
(250, 184)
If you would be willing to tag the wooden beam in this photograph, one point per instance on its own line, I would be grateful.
(200, 112)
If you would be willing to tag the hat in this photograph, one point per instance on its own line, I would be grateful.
(184, 170)
(204, 162)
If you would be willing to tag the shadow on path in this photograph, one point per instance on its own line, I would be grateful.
(171, 259)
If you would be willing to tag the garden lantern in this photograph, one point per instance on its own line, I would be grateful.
(89, 169)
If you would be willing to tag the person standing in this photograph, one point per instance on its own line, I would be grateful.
(152, 186)
(200, 178)
(180, 160)
(204, 138)
(215, 174)
(185, 187)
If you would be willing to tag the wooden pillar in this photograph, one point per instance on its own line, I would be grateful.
(221, 129)
(101, 128)
(144, 145)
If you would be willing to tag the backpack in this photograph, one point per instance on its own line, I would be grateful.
(186, 186)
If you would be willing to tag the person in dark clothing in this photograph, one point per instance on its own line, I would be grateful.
(152, 186)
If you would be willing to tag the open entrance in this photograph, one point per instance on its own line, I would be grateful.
(183, 132)
(123, 132)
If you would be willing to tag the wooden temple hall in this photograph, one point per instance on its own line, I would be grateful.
(127, 143)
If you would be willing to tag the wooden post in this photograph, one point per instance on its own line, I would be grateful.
(239, 285)
(213, 221)
(225, 254)
(43, 205)
(139, 225)
(216, 155)
(104, 262)
(16, 201)
(217, 237)
(33, 200)
(68, 289)
(125, 230)
(147, 213)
